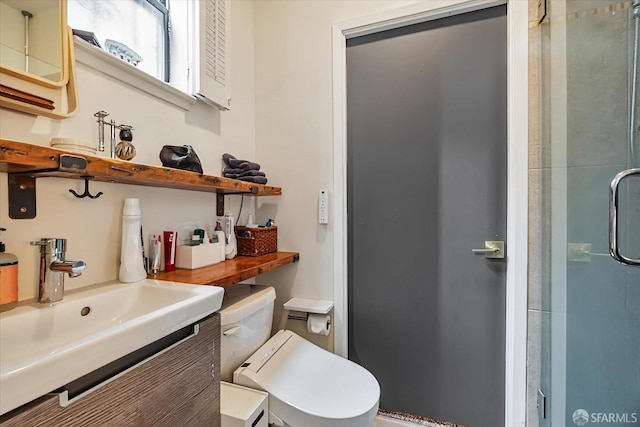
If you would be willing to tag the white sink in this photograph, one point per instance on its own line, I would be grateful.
(43, 347)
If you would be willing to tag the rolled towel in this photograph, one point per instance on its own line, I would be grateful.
(231, 161)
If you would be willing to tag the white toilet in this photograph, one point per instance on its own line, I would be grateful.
(307, 386)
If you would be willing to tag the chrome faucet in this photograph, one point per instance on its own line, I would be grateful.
(53, 266)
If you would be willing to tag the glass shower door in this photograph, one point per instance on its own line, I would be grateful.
(591, 340)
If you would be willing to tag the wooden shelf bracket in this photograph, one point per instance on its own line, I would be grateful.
(22, 196)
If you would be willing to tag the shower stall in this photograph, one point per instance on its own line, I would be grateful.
(589, 177)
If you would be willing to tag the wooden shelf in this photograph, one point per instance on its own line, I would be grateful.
(230, 272)
(22, 160)
(41, 161)
(25, 162)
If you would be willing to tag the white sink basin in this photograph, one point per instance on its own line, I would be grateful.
(43, 347)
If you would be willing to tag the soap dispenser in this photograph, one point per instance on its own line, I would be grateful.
(8, 279)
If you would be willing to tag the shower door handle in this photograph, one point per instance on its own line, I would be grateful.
(614, 199)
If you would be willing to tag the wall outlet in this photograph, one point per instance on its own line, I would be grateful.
(323, 207)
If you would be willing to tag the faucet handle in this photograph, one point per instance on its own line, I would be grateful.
(51, 245)
(41, 242)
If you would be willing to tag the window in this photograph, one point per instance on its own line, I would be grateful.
(136, 31)
(181, 42)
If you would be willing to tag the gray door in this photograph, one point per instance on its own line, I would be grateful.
(427, 137)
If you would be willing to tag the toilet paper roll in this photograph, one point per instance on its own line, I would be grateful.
(319, 324)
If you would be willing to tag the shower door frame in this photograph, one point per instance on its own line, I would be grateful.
(517, 175)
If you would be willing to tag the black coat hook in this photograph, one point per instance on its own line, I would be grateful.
(86, 189)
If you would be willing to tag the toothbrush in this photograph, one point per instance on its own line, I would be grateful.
(145, 260)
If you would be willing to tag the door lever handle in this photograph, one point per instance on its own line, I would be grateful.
(486, 251)
(492, 249)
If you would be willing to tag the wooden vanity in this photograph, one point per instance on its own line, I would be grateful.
(178, 387)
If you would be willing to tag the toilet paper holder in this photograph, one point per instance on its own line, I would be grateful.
(307, 306)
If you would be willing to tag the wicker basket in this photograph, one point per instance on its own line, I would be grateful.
(257, 241)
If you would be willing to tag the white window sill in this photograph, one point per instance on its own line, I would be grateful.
(107, 64)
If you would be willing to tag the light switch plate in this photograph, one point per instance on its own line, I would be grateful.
(323, 207)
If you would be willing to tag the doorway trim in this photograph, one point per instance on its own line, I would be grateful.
(517, 175)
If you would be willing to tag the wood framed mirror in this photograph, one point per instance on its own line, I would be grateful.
(37, 73)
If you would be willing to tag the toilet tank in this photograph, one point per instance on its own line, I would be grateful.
(245, 319)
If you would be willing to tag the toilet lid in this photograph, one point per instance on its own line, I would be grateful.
(311, 379)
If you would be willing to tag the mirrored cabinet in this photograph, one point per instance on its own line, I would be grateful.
(37, 73)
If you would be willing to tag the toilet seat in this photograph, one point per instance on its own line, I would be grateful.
(309, 386)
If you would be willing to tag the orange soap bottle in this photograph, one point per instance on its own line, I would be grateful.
(8, 279)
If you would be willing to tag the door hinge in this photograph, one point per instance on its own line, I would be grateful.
(541, 404)
(542, 10)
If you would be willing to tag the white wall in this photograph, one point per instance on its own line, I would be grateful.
(294, 131)
(281, 116)
(92, 227)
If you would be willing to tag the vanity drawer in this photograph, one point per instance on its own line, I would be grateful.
(178, 387)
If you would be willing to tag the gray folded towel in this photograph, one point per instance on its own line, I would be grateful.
(254, 179)
(227, 171)
(244, 174)
(239, 164)
(242, 170)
